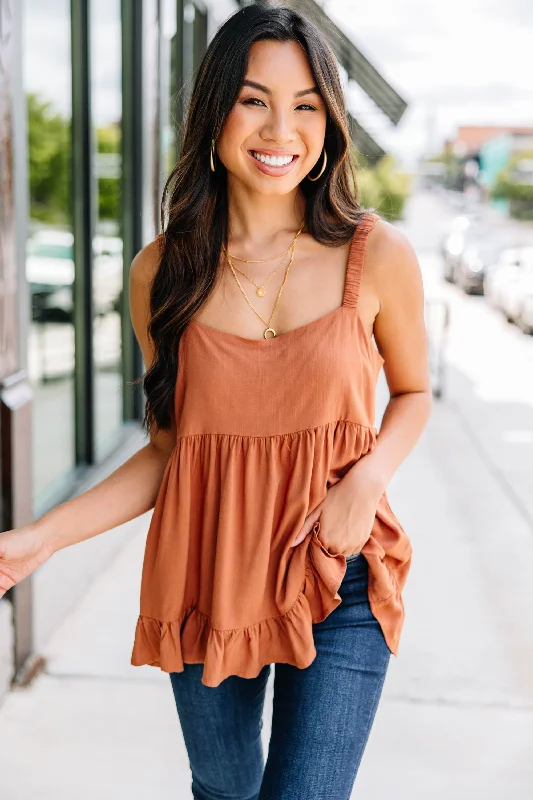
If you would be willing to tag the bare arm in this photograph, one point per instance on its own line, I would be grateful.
(400, 334)
(125, 494)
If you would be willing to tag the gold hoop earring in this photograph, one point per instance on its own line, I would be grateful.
(211, 155)
(325, 161)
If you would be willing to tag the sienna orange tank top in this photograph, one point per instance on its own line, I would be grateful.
(264, 428)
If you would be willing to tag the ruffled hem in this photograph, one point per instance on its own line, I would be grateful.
(287, 638)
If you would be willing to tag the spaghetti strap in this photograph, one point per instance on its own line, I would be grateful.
(356, 258)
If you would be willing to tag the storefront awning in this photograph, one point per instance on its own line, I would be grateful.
(364, 142)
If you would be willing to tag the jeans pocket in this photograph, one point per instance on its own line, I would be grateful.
(353, 556)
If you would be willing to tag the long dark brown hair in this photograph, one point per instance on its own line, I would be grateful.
(194, 207)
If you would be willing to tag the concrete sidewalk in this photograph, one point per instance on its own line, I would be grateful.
(456, 718)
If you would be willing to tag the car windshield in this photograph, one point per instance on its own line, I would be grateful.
(51, 250)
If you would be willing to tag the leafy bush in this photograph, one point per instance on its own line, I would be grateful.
(383, 187)
(520, 195)
(49, 154)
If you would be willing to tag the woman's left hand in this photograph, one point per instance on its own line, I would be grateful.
(347, 515)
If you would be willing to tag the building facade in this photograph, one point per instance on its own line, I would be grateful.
(91, 99)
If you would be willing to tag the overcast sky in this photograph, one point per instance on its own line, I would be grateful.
(456, 63)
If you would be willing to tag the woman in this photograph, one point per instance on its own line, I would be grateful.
(272, 540)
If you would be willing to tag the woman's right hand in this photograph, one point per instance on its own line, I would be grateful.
(22, 550)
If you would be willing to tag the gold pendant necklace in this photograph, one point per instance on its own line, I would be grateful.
(260, 288)
(269, 332)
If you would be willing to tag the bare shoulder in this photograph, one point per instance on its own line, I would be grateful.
(145, 264)
(143, 268)
(391, 262)
(399, 328)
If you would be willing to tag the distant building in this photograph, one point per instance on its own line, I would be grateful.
(484, 151)
(470, 138)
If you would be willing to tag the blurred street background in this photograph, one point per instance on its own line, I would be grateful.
(441, 117)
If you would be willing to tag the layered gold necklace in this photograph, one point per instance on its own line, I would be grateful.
(269, 332)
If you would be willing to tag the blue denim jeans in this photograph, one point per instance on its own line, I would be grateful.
(321, 719)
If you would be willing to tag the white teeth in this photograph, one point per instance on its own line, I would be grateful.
(273, 161)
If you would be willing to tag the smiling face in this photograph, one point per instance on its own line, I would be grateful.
(274, 134)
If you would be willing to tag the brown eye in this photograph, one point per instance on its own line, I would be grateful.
(252, 101)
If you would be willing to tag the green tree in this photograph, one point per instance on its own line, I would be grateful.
(49, 152)
(519, 194)
(383, 187)
(109, 142)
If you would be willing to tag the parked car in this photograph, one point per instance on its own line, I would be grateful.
(524, 317)
(50, 274)
(504, 271)
(511, 287)
(481, 250)
(452, 246)
(454, 242)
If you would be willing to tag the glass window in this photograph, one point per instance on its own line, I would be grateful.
(49, 257)
(106, 78)
(169, 75)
